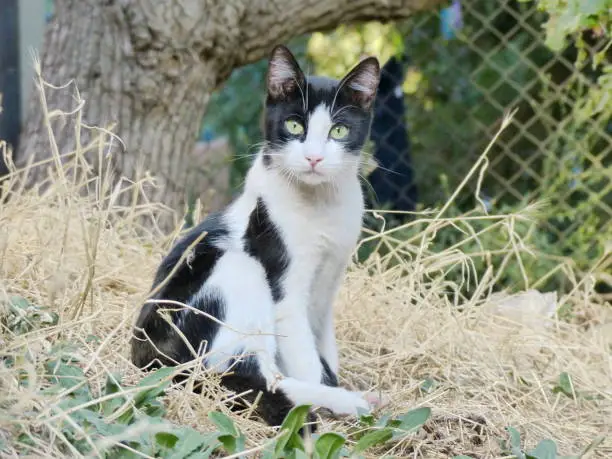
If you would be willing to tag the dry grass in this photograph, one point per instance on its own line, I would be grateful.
(399, 324)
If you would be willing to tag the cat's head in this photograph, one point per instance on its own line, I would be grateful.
(316, 127)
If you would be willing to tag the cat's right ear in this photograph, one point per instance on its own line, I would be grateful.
(284, 74)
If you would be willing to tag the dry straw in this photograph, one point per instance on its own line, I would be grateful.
(400, 320)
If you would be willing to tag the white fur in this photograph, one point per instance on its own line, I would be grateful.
(340, 401)
(319, 220)
(335, 161)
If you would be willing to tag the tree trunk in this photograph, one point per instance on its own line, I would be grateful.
(148, 67)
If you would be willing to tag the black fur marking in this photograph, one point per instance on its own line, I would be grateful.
(328, 378)
(273, 406)
(263, 242)
(186, 281)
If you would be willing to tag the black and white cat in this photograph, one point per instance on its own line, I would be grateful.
(270, 265)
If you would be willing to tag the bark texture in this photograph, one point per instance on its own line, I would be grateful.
(148, 67)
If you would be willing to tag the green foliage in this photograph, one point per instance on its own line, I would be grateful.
(114, 422)
(483, 72)
(569, 17)
(488, 244)
(582, 164)
(135, 422)
(20, 316)
(455, 92)
(545, 449)
(232, 439)
(565, 386)
(127, 422)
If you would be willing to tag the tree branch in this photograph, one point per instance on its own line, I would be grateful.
(268, 22)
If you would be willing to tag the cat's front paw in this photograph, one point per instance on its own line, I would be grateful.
(375, 401)
(366, 402)
(343, 402)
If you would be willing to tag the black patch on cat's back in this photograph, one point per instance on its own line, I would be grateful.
(199, 329)
(196, 268)
(181, 286)
(263, 241)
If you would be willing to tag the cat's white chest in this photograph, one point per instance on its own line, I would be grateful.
(315, 227)
(330, 231)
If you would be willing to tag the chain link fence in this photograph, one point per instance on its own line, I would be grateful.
(449, 78)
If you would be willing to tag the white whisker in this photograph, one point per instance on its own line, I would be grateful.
(342, 83)
(341, 109)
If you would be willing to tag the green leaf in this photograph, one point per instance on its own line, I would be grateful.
(122, 453)
(68, 376)
(19, 302)
(395, 423)
(228, 442)
(146, 399)
(229, 435)
(383, 421)
(414, 419)
(328, 445)
(292, 424)
(565, 385)
(154, 409)
(25, 439)
(112, 386)
(427, 385)
(268, 452)
(166, 440)
(515, 442)
(87, 418)
(373, 438)
(155, 379)
(24, 316)
(190, 440)
(224, 423)
(296, 454)
(555, 36)
(366, 419)
(546, 449)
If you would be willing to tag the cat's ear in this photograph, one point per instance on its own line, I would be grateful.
(362, 81)
(284, 74)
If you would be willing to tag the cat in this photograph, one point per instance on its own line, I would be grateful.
(269, 266)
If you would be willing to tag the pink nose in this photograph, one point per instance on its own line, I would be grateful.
(314, 160)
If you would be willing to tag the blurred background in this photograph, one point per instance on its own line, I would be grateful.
(449, 77)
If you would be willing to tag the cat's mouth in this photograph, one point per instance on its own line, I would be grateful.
(312, 177)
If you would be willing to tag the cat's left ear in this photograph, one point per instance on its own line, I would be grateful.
(363, 81)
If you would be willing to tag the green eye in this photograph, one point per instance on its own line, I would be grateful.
(294, 127)
(339, 131)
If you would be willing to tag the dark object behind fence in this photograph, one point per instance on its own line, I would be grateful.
(392, 182)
